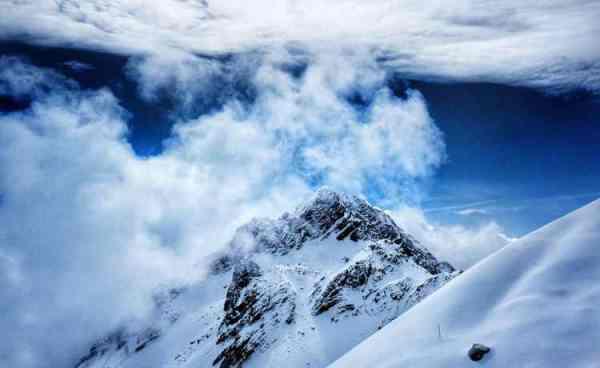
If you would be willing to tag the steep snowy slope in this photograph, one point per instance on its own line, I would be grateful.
(536, 303)
(297, 291)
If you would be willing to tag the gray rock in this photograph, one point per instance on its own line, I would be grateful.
(477, 352)
(254, 308)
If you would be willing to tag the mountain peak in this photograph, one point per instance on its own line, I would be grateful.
(326, 197)
(318, 279)
(327, 214)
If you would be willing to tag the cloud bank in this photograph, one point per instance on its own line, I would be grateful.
(547, 44)
(460, 245)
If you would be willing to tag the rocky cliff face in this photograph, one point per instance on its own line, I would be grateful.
(254, 307)
(299, 290)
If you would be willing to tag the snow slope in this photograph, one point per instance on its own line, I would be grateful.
(536, 303)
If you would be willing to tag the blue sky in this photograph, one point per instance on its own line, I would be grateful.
(534, 156)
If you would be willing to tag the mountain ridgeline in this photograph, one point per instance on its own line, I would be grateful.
(298, 291)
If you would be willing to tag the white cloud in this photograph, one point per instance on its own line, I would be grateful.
(547, 44)
(307, 120)
(88, 229)
(460, 245)
(472, 211)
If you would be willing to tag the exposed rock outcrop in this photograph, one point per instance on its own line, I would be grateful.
(375, 281)
(254, 308)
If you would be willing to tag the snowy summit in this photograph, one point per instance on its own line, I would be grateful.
(300, 290)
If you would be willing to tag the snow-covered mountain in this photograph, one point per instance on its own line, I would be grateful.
(298, 291)
(535, 303)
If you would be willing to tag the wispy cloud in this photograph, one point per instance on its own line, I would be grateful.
(459, 207)
(487, 207)
(472, 211)
(78, 66)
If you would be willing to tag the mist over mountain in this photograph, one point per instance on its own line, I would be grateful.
(302, 290)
